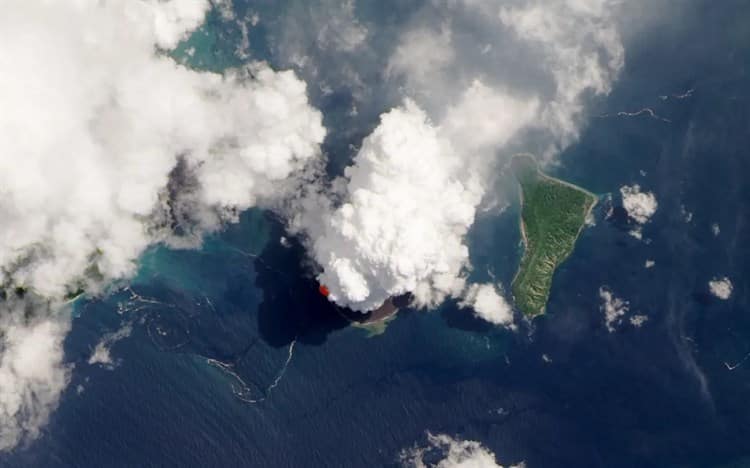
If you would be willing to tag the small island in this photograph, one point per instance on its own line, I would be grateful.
(382, 314)
(553, 213)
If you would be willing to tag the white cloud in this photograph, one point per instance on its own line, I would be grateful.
(97, 129)
(721, 288)
(640, 206)
(715, 229)
(106, 144)
(172, 20)
(637, 232)
(451, 452)
(327, 43)
(488, 304)
(613, 307)
(485, 118)
(649, 264)
(396, 222)
(582, 48)
(342, 31)
(687, 215)
(101, 354)
(638, 320)
(32, 371)
(401, 229)
(570, 44)
(422, 53)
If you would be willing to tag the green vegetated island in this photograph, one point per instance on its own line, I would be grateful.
(553, 213)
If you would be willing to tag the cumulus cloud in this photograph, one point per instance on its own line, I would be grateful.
(638, 320)
(98, 134)
(449, 452)
(101, 354)
(686, 214)
(613, 307)
(401, 228)
(109, 146)
(395, 222)
(488, 304)
(640, 206)
(721, 288)
(32, 371)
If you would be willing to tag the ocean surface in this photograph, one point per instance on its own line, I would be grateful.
(235, 360)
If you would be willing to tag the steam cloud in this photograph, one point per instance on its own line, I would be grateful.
(110, 146)
(401, 229)
(474, 88)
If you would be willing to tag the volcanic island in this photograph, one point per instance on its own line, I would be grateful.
(553, 214)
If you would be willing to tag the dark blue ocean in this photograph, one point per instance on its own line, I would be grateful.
(236, 360)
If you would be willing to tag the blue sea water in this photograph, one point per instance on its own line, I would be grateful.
(236, 360)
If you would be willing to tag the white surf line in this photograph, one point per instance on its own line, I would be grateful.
(685, 95)
(244, 388)
(737, 364)
(137, 297)
(646, 110)
(138, 302)
(283, 369)
(229, 369)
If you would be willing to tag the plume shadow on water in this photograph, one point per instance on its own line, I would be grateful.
(464, 319)
(292, 308)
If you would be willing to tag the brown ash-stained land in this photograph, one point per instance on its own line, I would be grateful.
(389, 308)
